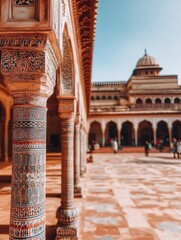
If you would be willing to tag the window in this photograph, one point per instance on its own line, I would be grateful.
(177, 100)
(167, 100)
(139, 101)
(148, 100)
(158, 100)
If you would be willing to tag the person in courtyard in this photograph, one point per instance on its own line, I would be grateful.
(179, 148)
(115, 146)
(175, 148)
(146, 148)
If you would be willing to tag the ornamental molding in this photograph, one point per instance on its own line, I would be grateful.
(85, 12)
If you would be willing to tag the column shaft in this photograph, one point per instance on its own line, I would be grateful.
(77, 189)
(67, 213)
(6, 137)
(28, 173)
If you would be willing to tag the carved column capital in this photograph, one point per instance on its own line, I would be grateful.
(28, 64)
(67, 107)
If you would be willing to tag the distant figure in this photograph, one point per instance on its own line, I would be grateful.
(146, 148)
(161, 145)
(175, 148)
(179, 148)
(115, 146)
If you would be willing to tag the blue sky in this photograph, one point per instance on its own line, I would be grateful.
(126, 27)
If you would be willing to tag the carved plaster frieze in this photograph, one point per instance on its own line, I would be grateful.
(67, 107)
(28, 63)
(28, 40)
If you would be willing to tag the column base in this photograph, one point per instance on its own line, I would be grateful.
(66, 233)
(77, 192)
(82, 171)
(90, 159)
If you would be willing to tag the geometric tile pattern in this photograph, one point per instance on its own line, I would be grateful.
(131, 197)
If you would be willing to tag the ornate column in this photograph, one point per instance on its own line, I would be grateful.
(28, 66)
(6, 135)
(77, 189)
(82, 170)
(67, 213)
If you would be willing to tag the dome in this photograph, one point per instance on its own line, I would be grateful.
(147, 62)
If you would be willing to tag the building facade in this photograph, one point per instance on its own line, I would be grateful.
(46, 58)
(146, 107)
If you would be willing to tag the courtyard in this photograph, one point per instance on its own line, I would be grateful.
(126, 196)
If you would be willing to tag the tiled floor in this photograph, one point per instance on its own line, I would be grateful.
(125, 197)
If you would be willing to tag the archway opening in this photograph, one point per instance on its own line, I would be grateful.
(145, 133)
(162, 134)
(158, 101)
(53, 125)
(95, 133)
(176, 130)
(127, 134)
(111, 133)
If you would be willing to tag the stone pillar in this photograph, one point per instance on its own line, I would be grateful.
(6, 138)
(77, 189)
(119, 137)
(103, 137)
(154, 136)
(136, 136)
(29, 72)
(82, 170)
(170, 134)
(67, 213)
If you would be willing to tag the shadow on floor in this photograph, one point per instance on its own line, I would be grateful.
(50, 232)
(4, 229)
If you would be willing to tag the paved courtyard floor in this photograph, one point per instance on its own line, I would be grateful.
(125, 197)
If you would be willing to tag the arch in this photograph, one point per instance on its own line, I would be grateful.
(158, 100)
(176, 129)
(111, 132)
(139, 101)
(67, 66)
(53, 125)
(127, 134)
(145, 132)
(109, 97)
(97, 98)
(162, 133)
(177, 100)
(167, 100)
(95, 133)
(148, 100)
(92, 98)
